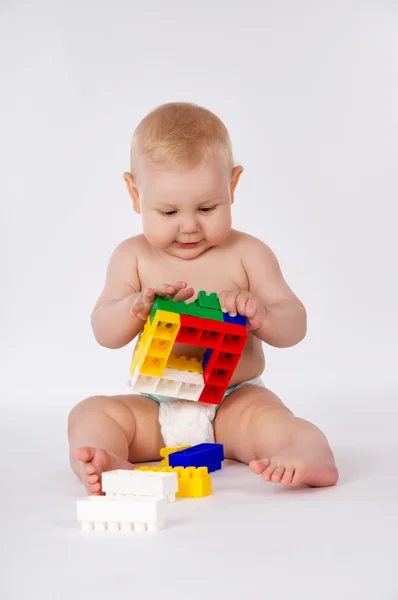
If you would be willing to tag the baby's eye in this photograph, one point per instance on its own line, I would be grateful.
(207, 209)
(169, 213)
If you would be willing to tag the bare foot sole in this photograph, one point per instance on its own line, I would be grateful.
(293, 465)
(94, 461)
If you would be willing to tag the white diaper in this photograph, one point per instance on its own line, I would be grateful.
(185, 423)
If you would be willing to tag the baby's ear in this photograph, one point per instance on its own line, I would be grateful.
(235, 175)
(133, 191)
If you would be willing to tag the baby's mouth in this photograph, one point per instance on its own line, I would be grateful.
(188, 245)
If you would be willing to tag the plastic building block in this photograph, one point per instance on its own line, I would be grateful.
(182, 363)
(238, 320)
(212, 334)
(155, 344)
(102, 513)
(202, 455)
(206, 358)
(186, 308)
(201, 332)
(174, 383)
(208, 300)
(212, 394)
(154, 468)
(125, 482)
(192, 482)
(164, 454)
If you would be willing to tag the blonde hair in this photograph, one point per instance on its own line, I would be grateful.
(180, 134)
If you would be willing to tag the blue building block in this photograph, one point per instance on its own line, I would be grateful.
(202, 455)
(238, 320)
(206, 358)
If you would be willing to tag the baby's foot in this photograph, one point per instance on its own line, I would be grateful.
(298, 463)
(94, 461)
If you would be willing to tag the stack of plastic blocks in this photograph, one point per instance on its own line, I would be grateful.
(192, 465)
(155, 370)
(133, 501)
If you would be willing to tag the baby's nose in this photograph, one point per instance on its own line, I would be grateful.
(189, 225)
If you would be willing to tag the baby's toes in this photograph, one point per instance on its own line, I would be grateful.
(287, 476)
(298, 476)
(277, 474)
(268, 472)
(94, 488)
(89, 468)
(92, 478)
(258, 466)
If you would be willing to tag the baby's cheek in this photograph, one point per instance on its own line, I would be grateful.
(219, 230)
(158, 233)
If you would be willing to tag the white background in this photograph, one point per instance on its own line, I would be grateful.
(309, 92)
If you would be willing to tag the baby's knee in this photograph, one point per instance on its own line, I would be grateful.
(88, 404)
(103, 407)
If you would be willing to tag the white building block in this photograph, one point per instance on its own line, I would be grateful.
(174, 383)
(102, 513)
(123, 482)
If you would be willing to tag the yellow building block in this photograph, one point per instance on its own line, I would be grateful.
(153, 365)
(155, 468)
(192, 482)
(166, 324)
(164, 453)
(182, 363)
(155, 343)
(142, 346)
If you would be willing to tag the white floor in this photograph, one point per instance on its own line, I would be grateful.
(248, 540)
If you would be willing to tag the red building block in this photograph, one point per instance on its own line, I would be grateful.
(212, 394)
(227, 341)
(211, 334)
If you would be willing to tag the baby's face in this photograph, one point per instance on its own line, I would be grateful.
(185, 212)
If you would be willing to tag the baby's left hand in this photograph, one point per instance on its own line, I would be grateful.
(244, 303)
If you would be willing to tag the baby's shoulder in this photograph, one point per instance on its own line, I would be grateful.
(124, 258)
(130, 247)
(247, 244)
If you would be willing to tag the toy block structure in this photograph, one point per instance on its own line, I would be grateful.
(201, 455)
(164, 454)
(102, 513)
(127, 483)
(192, 482)
(155, 370)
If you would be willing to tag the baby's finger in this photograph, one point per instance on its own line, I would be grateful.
(229, 302)
(221, 299)
(250, 308)
(242, 302)
(143, 305)
(165, 290)
(184, 294)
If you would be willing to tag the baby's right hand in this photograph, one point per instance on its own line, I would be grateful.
(143, 301)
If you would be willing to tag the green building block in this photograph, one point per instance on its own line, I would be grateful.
(187, 308)
(208, 300)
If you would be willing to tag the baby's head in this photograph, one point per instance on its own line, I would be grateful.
(182, 179)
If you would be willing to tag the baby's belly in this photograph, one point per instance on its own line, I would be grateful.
(251, 364)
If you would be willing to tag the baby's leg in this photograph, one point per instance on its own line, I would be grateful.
(256, 428)
(107, 433)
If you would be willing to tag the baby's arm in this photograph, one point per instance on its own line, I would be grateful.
(112, 323)
(285, 322)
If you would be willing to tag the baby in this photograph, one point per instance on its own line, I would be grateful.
(182, 183)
